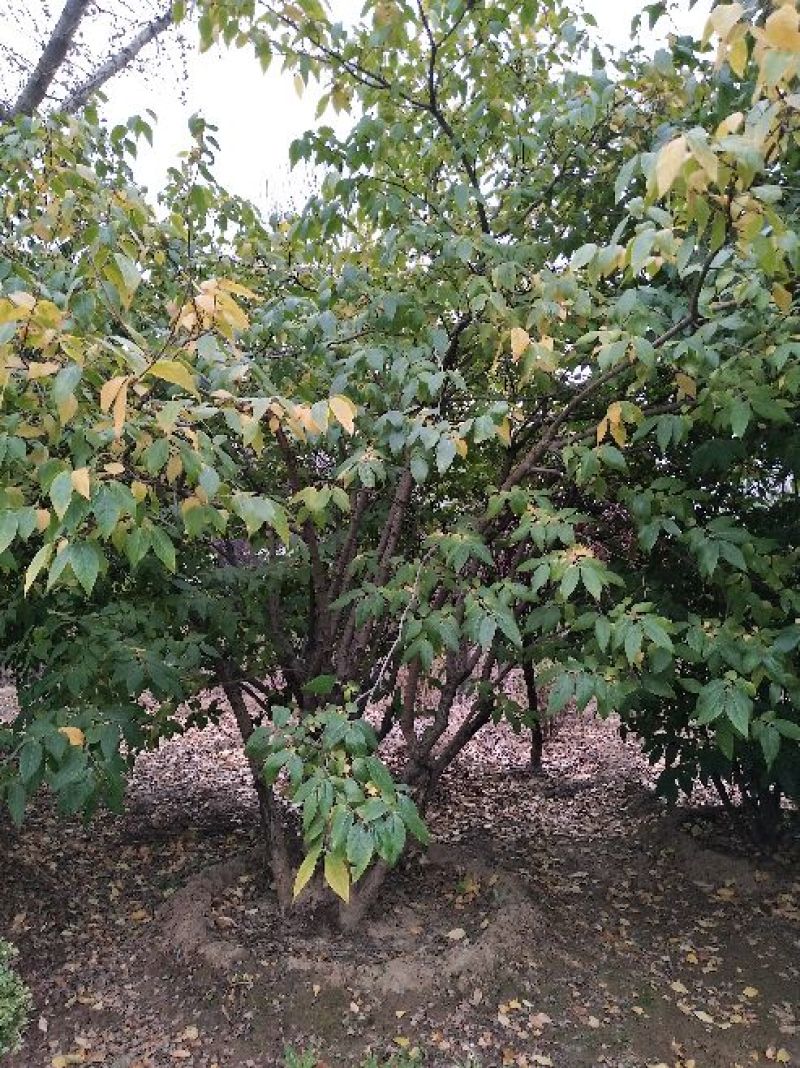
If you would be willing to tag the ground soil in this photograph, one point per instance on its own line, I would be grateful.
(565, 919)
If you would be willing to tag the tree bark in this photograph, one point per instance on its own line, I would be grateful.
(352, 914)
(537, 734)
(116, 63)
(269, 809)
(55, 52)
(53, 55)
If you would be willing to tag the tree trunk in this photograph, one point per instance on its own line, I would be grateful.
(352, 914)
(269, 809)
(537, 734)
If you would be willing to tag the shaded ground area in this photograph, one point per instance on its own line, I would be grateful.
(558, 921)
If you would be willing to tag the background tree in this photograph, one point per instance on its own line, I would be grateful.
(60, 59)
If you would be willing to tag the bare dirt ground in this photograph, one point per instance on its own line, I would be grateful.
(558, 920)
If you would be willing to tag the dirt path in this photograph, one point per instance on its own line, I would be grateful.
(557, 921)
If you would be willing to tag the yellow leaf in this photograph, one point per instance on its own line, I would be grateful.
(503, 431)
(783, 1056)
(782, 297)
(305, 871)
(237, 288)
(729, 125)
(67, 408)
(687, 387)
(114, 469)
(23, 300)
(174, 467)
(737, 55)
(343, 411)
(722, 20)
(40, 560)
(42, 370)
(337, 876)
(189, 504)
(42, 518)
(120, 409)
(174, 372)
(109, 391)
(80, 482)
(520, 341)
(602, 429)
(74, 735)
(668, 165)
(402, 1042)
(781, 29)
(750, 992)
(139, 491)
(461, 447)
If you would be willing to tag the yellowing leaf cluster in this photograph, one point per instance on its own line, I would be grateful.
(213, 307)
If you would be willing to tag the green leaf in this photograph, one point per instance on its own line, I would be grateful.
(256, 511)
(445, 454)
(322, 685)
(360, 849)
(740, 413)
(107, 510)
(770, 741)
(788, 729)
(738, 707)
(486, 631)
(390, 836)
(163, 547)
(341, 822)
(656, 633)
(130, 273)
(633, 642)
(710, 702)
(61, 492)
(602, 631)
(570, 580)
(84, 559)
(592, 581)
(410, 816)
(30, 759)
(561, 692)
(419, 468)
(15, 800)
(8, 529)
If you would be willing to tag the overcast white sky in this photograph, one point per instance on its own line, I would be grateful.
(258, 114)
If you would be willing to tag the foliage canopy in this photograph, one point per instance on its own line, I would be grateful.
(392, 450)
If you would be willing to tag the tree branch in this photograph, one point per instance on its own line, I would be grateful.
(114, 64)
(53, 55)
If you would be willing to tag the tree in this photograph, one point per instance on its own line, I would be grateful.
(56, 62)
(358, 468)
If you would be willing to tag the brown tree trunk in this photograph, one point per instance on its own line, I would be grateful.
(352, 914)
(269, 809)
(537, 734)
